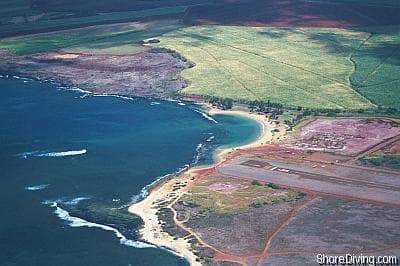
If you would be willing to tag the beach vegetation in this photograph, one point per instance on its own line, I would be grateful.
(204, 199)
(391, 161)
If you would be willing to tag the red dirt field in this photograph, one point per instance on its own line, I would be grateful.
(346, 136)
(291, 13)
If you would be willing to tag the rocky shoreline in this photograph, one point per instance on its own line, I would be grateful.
(153, 73)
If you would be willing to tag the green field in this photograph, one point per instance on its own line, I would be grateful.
(377, 74)
(15, 8)
(20, 19)
(119, 38)
(308, 67)
(297, 67)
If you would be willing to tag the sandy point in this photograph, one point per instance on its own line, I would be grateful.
(266, 136)
(152, 231)
(166, 191)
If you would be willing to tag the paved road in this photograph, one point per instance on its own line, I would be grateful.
(366, 185)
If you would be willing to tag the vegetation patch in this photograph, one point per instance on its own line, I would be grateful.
(296, 67)
(21, 19)
(227, 195)
(377, 67)
(382, 160)
(122, 38)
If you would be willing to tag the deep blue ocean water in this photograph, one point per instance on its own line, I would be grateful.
(70, 163)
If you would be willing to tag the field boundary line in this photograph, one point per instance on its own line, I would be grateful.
(292, 85)
(333, 253)
(287, 64)
(357, 49)
(226, 70)
(379, 65)
(285, 223)
(379, 84)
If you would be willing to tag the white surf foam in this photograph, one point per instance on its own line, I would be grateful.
(37, 187)
(62, 153)
(75, 89)
(171, 100)
(144, 192)
(26, 155)
(210, 139)
(74, 201)
(24, 79)
(182, 104)
(79, 222)
(206, 116)
(155, 103)
(113, 95)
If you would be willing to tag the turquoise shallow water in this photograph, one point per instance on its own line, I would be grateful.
(70, 163)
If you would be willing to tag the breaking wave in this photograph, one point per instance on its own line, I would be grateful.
(37, 187)
(113, 95)
(74, 89)
(75, 201)
(66, 201)
(79, 222)
(62, 153)
(206, 116)
(26, 155)
(210, 139)
(144, 192)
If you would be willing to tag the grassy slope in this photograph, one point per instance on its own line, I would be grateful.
(119, 38)
(377, 74)
(297, 67)
(53, 21)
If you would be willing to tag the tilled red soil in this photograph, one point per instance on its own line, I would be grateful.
(346, 136)
(292, 13)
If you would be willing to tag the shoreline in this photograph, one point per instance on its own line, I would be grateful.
(165, 190)
(265, 136)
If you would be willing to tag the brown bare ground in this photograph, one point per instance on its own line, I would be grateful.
(152, 73)
(346, 136)
(331, 222)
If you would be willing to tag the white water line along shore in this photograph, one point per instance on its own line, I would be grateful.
(147, 208)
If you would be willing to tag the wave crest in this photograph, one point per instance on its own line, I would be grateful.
(206, 116)
(79, 222)
(37, 187)
(26, 155)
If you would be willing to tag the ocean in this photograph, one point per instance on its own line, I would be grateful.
(71, 162)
